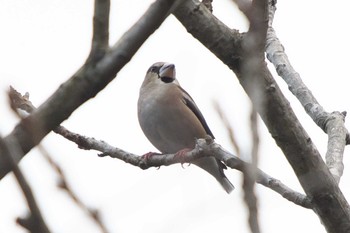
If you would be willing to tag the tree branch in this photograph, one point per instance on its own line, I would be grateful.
(314, 176)
(228, 127)
(331, 123)
(250, 177)
(34, 222)
(17, 101)
(208, 4)
(203, 148)
(100, 35)
(253, 49)
(85, 83)
(94, 214)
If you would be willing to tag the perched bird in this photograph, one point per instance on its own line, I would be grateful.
(171, 120)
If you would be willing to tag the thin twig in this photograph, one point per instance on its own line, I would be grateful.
(249, 177)
(22, 102)
(228, 127)
(94, 214)
(34, 222)
(331, 123)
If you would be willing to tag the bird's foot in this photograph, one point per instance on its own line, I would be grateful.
(181, 155)
(149, 155)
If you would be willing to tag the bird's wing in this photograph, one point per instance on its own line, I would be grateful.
(192, 105)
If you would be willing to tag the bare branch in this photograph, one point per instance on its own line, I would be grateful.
(228, 127)
(336, 132)
(203, 148)
(281, 121)
(34, 222)
(253, 50)
(331, 123)
(19, 102)
(86, 82)
(262, 178)
(94, 214)
(249, 177)
(100, 36)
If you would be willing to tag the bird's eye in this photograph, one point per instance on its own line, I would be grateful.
(153, 69)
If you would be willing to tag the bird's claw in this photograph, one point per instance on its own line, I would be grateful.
(148, 155)
(181, 156)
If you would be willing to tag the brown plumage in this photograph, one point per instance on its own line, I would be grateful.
(171, 120)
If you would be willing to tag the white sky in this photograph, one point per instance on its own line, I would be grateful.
(43, 43)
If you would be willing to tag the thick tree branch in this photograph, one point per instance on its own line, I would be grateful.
(208, 4)
(85, 83)
(203, 148)
(314, 176)
(331, 123)
(100, 36)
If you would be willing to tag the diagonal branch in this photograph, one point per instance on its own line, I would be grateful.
(231, 133)
(63, 183)
(85, 83)
(277, 115)
(17, 101)
(34, 222)
(331, 123)
(204, 148)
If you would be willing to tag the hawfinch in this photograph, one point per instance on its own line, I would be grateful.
(171, 120)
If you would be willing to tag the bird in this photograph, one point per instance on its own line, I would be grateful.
(171, 120)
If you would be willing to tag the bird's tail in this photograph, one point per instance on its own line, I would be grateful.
(215, 168)
(226, 184)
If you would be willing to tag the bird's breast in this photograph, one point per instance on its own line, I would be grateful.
(169, 124)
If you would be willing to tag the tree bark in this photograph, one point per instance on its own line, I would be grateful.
(283, 125)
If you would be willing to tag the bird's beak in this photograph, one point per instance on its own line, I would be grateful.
(167, 71)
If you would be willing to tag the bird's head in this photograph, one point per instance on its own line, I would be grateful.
(160, 73)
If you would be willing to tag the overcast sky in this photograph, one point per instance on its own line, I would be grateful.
(44, 42)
